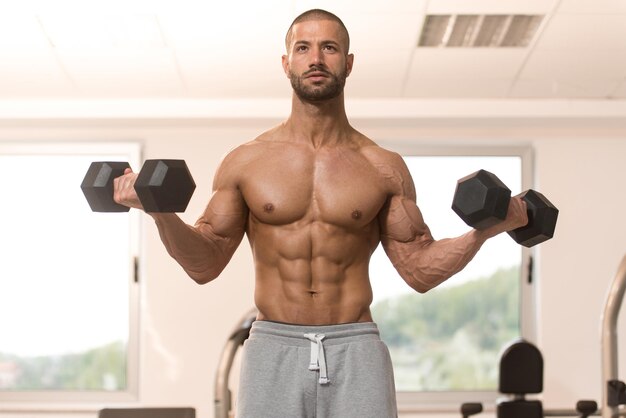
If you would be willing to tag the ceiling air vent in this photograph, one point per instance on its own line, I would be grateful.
(479, 31)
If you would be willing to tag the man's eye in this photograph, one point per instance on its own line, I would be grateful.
(301, 48)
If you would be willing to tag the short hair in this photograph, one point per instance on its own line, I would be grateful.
(317, 14)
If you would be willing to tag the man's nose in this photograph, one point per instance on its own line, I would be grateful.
(317, 56)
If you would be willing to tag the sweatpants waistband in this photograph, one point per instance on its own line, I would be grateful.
(333, 334)
(317, 337)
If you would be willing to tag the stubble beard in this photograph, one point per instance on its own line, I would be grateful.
(321, 92)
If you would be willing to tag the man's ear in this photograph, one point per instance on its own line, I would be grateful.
(285, 62)
(349, 63)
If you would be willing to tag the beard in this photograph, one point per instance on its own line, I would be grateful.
(332, 88)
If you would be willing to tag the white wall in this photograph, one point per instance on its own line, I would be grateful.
(579, 165)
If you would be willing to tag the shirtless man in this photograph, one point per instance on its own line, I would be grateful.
(315, 197)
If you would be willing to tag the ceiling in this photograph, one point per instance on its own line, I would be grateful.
(192, 49)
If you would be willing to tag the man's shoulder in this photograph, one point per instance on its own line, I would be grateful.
(251, 149)
(390, 166)
(379, 155)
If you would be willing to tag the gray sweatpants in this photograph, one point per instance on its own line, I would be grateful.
(332, 371)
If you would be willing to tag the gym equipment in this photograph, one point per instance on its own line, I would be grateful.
(147, 413)
(542, 216)
(97, 185)
(481, 200)
(613, 390)
(521, 373)
(162, 186)
(469, 409)
(223, 401)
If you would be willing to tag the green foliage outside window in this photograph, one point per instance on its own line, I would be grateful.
(102, 368)
(451, 337)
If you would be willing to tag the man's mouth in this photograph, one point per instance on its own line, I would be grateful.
(317, 74)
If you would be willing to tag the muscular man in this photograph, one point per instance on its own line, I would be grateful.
(315, 197)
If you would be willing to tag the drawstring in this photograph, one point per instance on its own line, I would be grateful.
(318, 358)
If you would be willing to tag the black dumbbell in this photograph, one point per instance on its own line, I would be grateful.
(162, 185)
(482, 200)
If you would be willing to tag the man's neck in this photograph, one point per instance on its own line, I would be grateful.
(318, 123)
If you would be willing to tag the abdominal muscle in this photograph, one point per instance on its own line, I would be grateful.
(312, 275)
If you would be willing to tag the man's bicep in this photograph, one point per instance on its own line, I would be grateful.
(402, 221)
(225, 215)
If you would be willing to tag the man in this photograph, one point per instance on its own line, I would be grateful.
(315, 197)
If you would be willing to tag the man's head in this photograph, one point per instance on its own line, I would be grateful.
(317, 60)
(318, 14)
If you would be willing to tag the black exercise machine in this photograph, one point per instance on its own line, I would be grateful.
(521, 372)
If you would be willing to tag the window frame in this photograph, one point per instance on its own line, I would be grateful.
(450, 401)
(20, 400)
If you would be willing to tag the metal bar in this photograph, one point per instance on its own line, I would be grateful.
(240, 333)
(565, 413)
(609, 336)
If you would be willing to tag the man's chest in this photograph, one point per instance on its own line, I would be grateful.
(340, 188)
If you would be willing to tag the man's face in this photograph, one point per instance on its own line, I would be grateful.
(317, 63)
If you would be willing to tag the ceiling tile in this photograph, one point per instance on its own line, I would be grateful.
(392, 31)
(343, 8)
(592, 6)
(124, 72)
(599, 32)
(457, 88)
(575, 67)
(378, 73)
(478, 63)
(32, 73)
(227, 72)
(489, 7)
(587, 89)
(91, 30)
(19, 31)
(212, 29)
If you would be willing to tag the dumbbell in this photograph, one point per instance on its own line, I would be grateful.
(482, 200)
(162, 185)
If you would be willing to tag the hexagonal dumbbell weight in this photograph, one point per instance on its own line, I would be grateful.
(97, 185)
(481, 200)
(162, 186)
(542, 216)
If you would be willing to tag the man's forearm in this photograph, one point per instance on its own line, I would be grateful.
(426, 264)
(200, 253)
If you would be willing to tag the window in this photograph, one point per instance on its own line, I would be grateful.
(68, 296)
(445, 344)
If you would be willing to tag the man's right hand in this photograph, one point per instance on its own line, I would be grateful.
(516, 217)
(124, 190)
